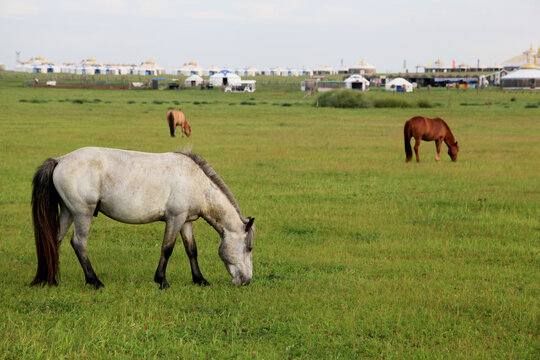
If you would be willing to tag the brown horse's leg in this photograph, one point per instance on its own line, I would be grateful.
(438, 144)
(416, 146)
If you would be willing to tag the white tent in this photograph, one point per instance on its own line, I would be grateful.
(224, 77)
(357, 82)
(149, 68)
(250, 71)
(210, 71)
(527, 77)
(362, 68)
(399, 85)
(193, 80)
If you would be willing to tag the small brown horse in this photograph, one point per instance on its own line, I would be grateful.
(175, 118)
(422, 128)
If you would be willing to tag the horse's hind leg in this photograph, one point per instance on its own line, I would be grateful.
(191, 251)
(416, 146)
(78, 241)
(172, 228)
(65, 221)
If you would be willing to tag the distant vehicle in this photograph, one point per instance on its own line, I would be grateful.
(242, 86)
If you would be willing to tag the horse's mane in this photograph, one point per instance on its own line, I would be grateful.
(215, 178)
(451, 137)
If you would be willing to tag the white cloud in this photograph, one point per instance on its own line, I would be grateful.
(18, 9)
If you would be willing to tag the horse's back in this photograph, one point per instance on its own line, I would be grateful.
(130, 186)
(425, 128)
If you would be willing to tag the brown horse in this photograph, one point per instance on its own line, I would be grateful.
(422, 128)
(175, 118)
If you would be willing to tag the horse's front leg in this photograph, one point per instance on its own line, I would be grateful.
(191, 250)
(172, 228)
(438, 144)
(416, 146)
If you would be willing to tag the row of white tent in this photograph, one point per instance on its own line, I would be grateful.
(89, 67)
(92, 67)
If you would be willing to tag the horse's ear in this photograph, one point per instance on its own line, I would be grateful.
(455, 144)
(249, 223)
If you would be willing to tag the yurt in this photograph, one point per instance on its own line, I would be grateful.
(150, 68)
(362, 68)
(183, 70)
(37, 65)
(399, 85)
(193, 80)
(357, 82)
(323, 70)
(276, 71)
(306, 72)
(527, 77)
(224, 78)
(250, 71)
(210, 71)
(290, 72)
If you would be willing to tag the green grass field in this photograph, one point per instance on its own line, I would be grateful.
(357, 254)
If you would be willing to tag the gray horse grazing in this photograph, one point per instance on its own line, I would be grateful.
(136, 188)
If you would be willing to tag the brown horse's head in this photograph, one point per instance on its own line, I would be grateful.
(453, 151)
(186, 128)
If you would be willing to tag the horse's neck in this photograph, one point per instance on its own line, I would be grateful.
(449, 138)
(220, 212)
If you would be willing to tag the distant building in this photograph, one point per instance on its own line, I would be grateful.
(528, 56)
(149, 68)
(362, 68)
(37, 65)
(323, 70)
(527, 77)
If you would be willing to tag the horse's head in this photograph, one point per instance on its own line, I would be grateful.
(235, 251)
(453, 151)
(186, 128)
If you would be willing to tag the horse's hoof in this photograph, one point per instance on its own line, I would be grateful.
(95, 283)
(201, 282)
(164, 285)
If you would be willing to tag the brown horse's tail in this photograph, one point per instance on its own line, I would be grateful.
(170, 119)
(407, 136)
(45, 200)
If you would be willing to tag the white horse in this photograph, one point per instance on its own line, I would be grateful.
(136, 188)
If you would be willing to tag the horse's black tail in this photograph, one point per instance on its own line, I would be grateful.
(407, 136)
(45, 200)
(170, 119)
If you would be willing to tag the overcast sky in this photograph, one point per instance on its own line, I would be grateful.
(286, 33)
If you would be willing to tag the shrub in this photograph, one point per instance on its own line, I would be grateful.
(248, 103)
(78, 101)
(531, 106)
(158, 102)
(425, 103)
(343, 99)
(176, 102)
(391, 103)
(286, 104)
(131, 102)
(513, 98)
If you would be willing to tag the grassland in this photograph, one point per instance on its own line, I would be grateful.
(357, 254)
